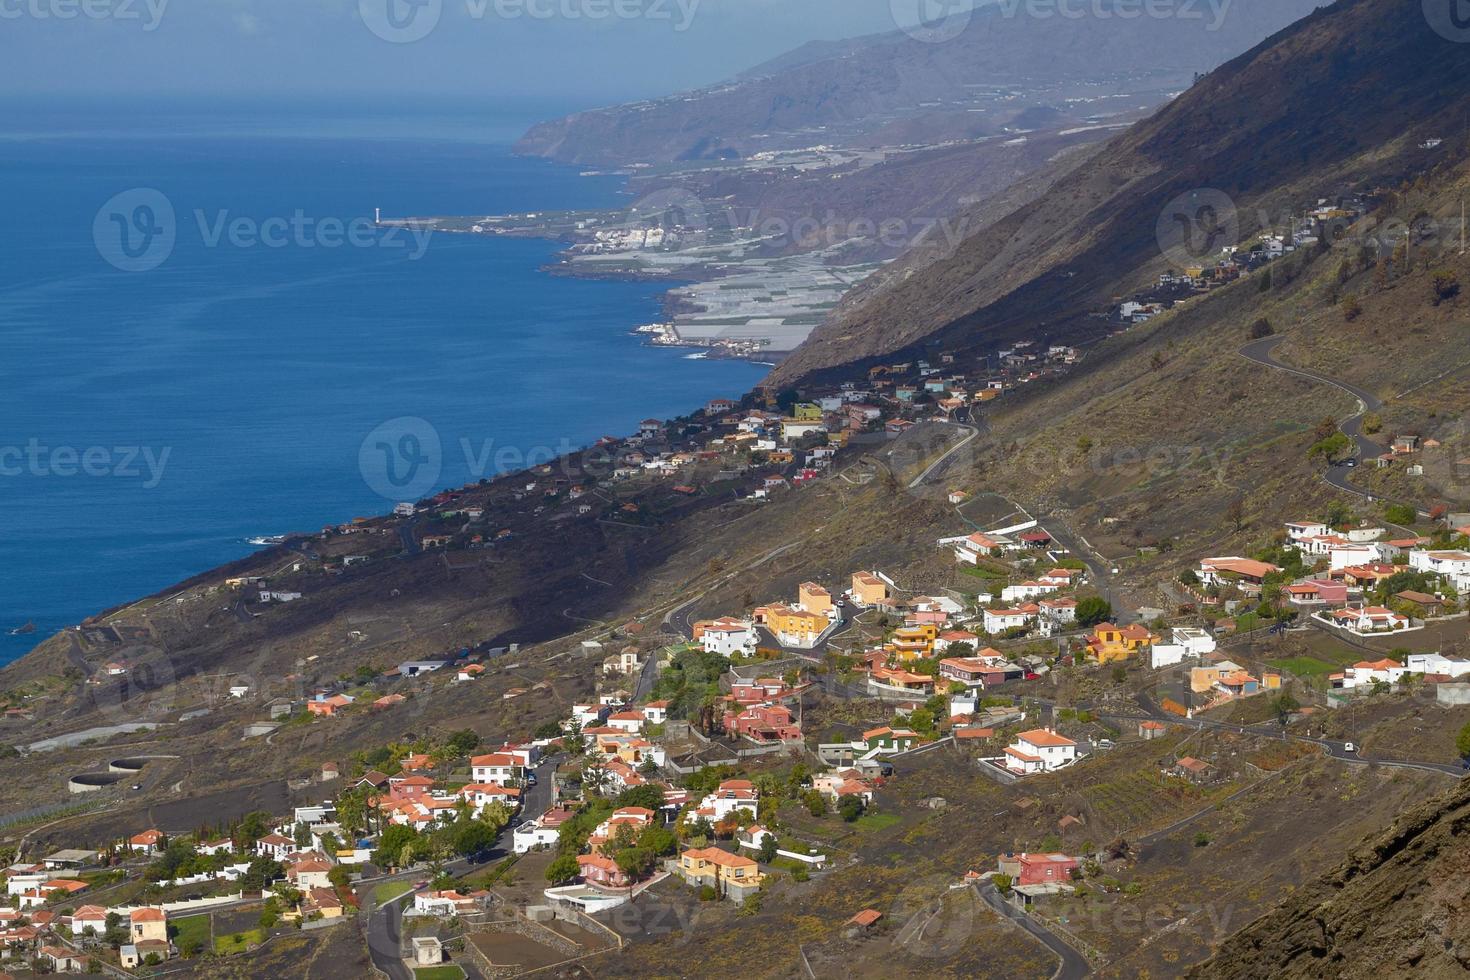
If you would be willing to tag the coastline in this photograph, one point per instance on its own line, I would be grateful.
(186, 540)
(730, 293)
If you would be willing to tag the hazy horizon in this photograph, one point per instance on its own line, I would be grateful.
(577, 53)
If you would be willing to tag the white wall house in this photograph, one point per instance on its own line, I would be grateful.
(728, 637)
(1437, 663)
(1039, 750)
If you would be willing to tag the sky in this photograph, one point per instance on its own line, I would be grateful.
(575, 53)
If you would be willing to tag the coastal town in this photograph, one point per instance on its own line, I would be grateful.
(720, 755)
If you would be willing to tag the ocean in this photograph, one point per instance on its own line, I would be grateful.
(206, 340)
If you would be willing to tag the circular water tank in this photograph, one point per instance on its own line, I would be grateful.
(127, 765)
(91, 782)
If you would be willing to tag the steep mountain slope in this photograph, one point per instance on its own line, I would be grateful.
(1339, 100)
(848, 91)
(1399, 906)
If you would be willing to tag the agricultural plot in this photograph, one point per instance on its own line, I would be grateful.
(1144, 800)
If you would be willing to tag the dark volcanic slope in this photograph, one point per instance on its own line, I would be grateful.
(1341, 98)
(1399, 906)
(859, 86)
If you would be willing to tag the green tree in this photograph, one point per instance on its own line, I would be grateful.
(391, 844)
(1462, 742)
(648, 796)
(816, 803)
(850, 807)
(635, 862)
(767, 852)
(462, 742)
(1401, 514)
(1092, 610)
(563, 869)
(474, 837)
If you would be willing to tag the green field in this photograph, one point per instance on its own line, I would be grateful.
(390, 890)
(1303, 666)
(191, 926)
(238, 942)
(876, 821)
(446, 972)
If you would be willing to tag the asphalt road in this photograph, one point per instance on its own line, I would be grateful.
(1337, 474)
(1074, 965)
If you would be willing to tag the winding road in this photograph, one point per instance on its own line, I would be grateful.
(1074, 965)
(1337, 474)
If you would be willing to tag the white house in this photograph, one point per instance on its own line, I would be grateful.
(1039, 750)
(1365, 673)
(1349, 555)
(1183, 642)
(1368, 619)
(442, 903)
(1436, 663)
(1059, 610)
(728, 637)
(275, 846)
(656, 712)
(1000, 620)
(1453, 565)
(630, 721)
(729, 796)
(529, 836)
(970, 550)
(497, 767)
(1027, 590)
(1301, 530)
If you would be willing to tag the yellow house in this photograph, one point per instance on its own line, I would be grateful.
(148, 924)
(868, 589)
(1110, 643)
(792, 627)
(812, 598)
(914, 642)
(807, 412)
(729, 874)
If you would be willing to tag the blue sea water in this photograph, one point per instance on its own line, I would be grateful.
(152, 421)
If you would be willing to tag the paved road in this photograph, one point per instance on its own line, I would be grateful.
(1074, 965)
(1337, 474)
(936, 469)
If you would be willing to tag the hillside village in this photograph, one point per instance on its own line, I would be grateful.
(726, 753)
(938, 732)
(718, 751)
